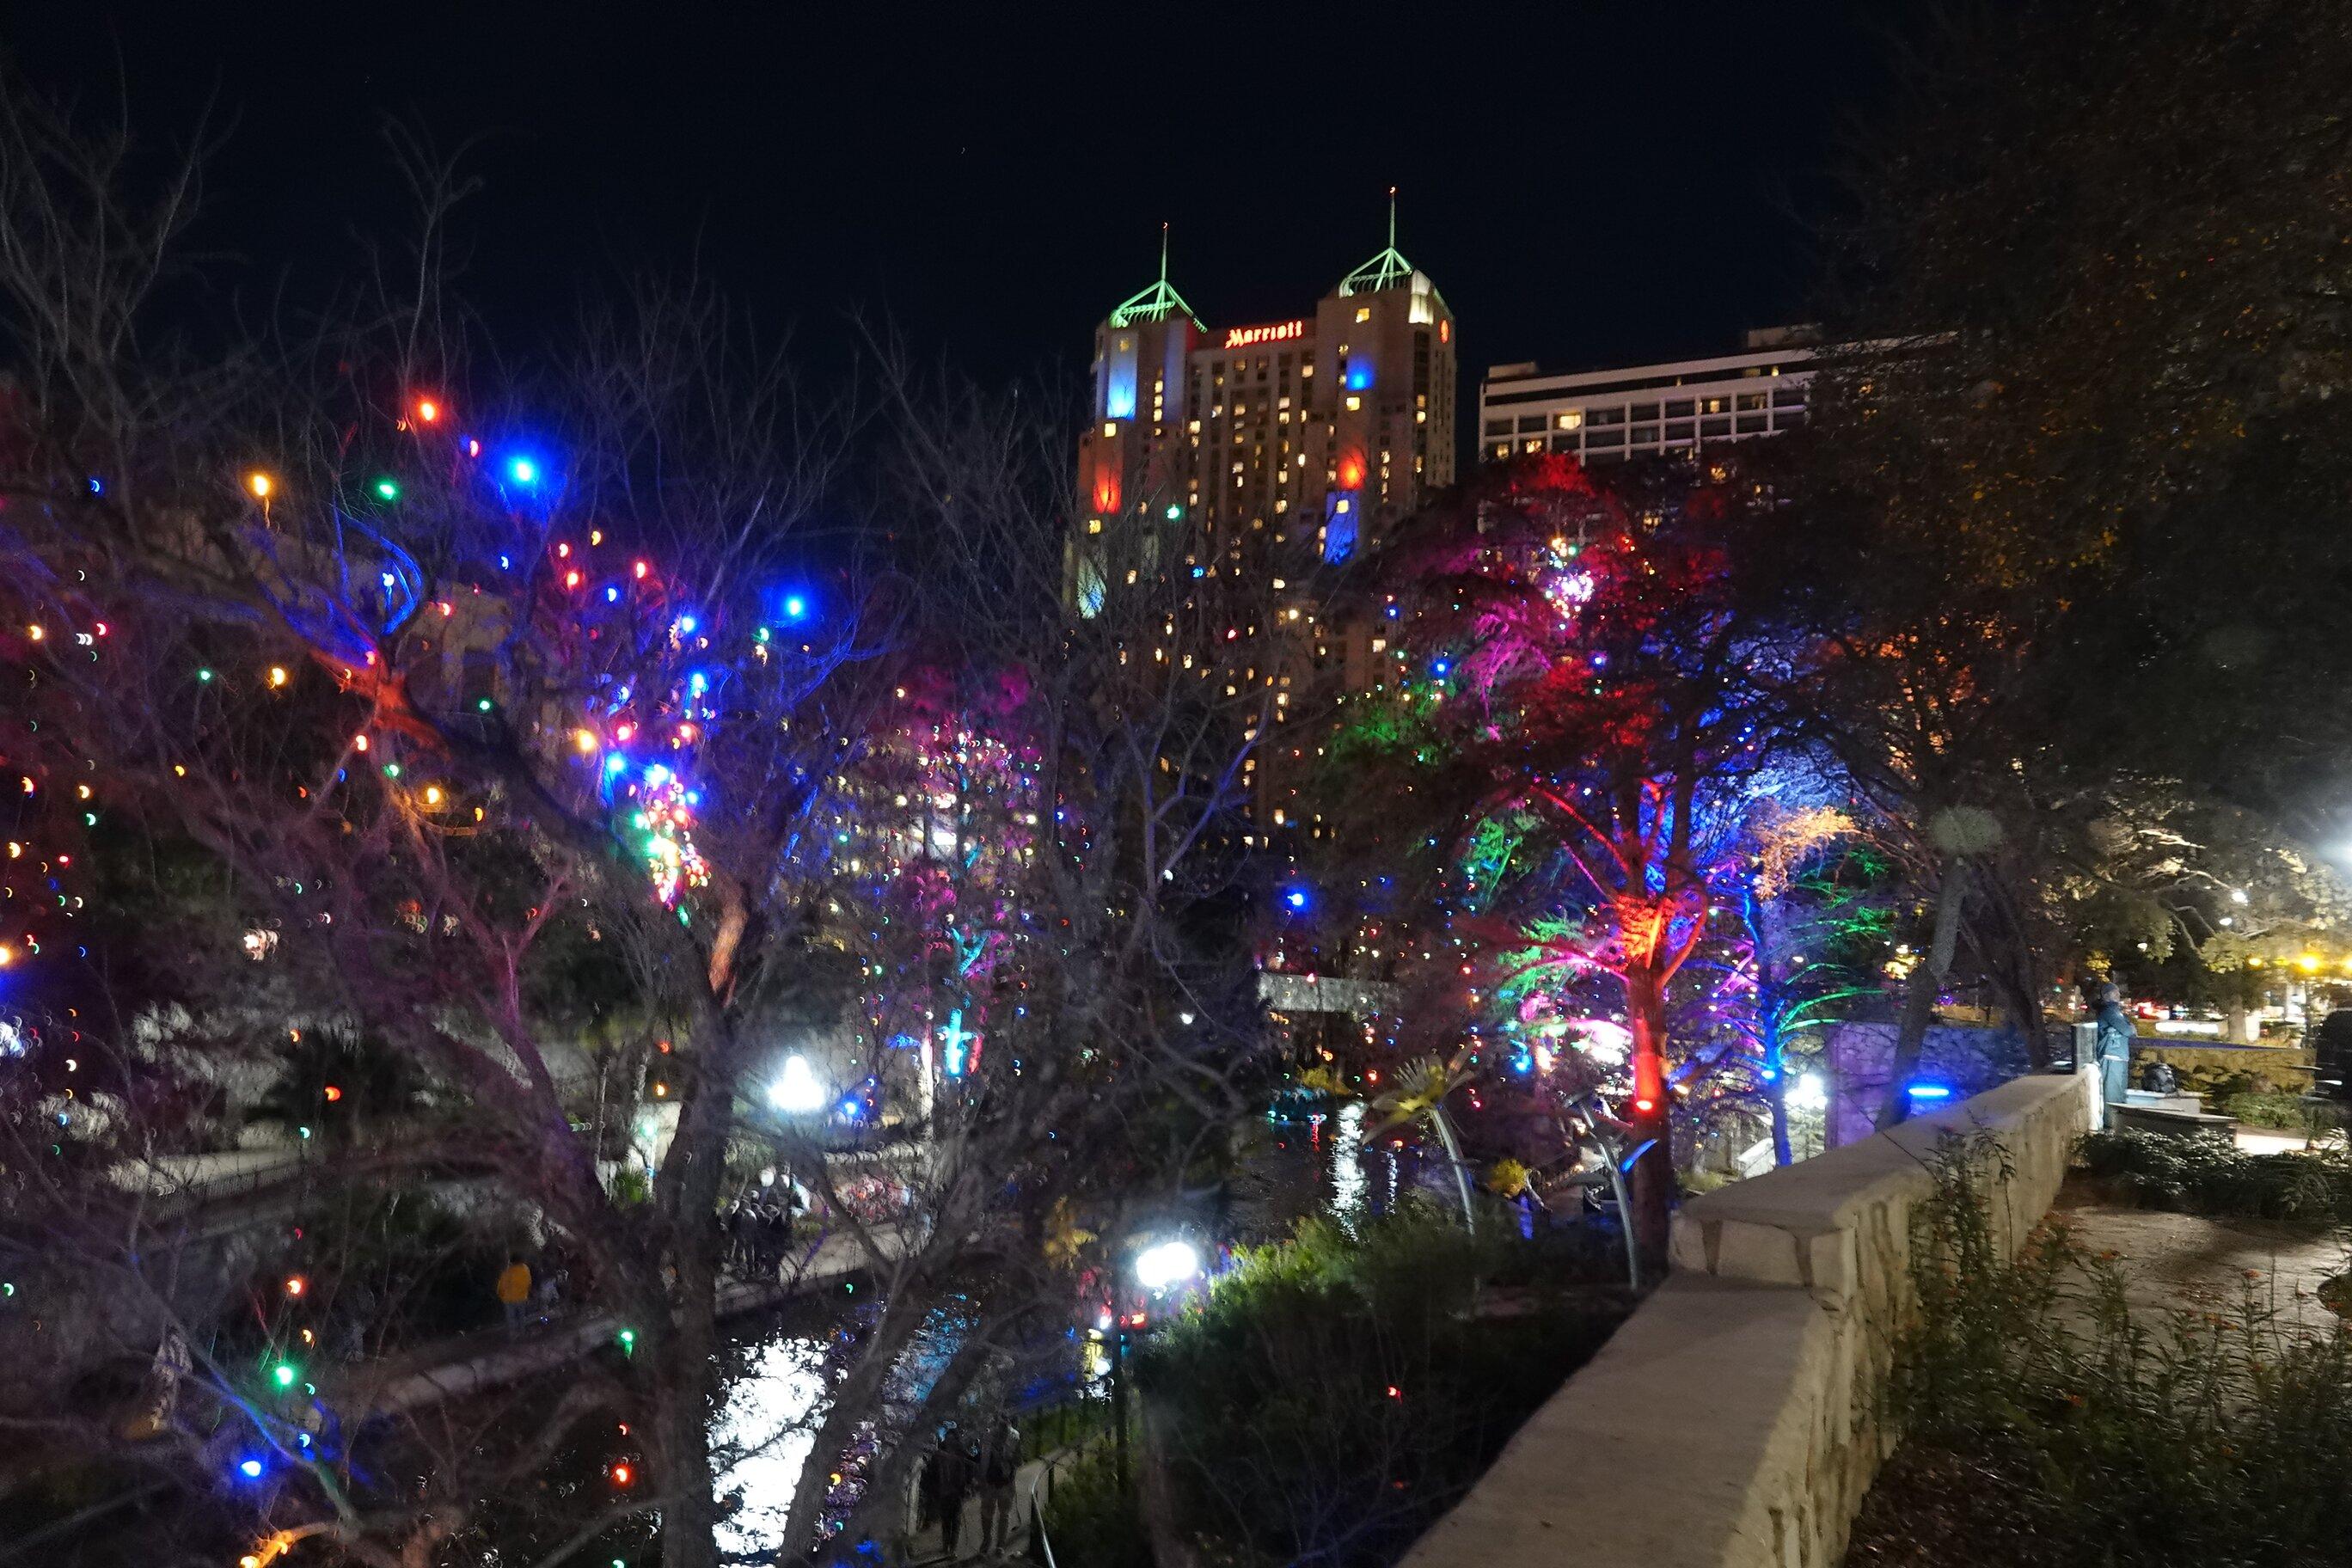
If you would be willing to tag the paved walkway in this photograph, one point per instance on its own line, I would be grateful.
(923, 1546)
(487, 1358)
(2271, 1141)
(2175, 1262)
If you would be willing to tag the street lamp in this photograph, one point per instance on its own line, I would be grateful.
(1167, 1264)
(797, 1091)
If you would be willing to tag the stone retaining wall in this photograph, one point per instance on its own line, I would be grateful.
(1728, 1423)
(2276, 1068)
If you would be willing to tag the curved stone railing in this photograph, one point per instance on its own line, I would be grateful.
(1729, 1423)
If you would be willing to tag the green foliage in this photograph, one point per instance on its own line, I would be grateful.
(2210, 1174)
(630, 1188)
(1335, 1394)
(2276, 1108)
(2047, 1425)
(1090, 1518)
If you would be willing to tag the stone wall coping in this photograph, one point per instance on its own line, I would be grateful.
(1731, 1421)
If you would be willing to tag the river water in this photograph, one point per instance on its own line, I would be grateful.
(1284, 1172)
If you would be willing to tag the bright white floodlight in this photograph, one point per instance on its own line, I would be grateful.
(797, 1092)
(1169, 1263)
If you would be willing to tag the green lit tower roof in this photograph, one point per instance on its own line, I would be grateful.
(1157, 302)
(1388, 269)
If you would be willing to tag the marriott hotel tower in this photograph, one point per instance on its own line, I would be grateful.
(1323, 428)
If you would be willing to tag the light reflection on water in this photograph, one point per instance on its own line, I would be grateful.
(1348, 1180)
(1289, 1169)
(771, 1413)
(1286, 1172)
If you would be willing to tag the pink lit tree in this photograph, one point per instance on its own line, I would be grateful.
(1597, 691)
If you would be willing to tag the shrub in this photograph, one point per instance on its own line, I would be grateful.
(2278, 1108)
(2208, 1173)
(2048, 1426)
(1090, 1518)
(1334, 1394)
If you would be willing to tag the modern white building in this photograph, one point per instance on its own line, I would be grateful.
(1681, 405)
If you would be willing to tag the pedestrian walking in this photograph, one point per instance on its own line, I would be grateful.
(775, 1239)
(513, 1290)
(1000, 1466)
(954, 1466)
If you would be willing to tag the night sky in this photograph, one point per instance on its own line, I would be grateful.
(1586, 184)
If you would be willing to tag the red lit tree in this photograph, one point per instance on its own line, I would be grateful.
(1602, 691)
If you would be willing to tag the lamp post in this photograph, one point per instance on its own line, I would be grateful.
(1159, 1267)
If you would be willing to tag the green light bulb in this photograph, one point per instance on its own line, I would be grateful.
(387, 489)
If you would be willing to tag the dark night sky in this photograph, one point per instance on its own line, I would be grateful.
(1584, 182)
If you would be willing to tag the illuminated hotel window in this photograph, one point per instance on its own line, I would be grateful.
(1353, 404)
(1534, 444)
(1109, 430)
(1571, 419)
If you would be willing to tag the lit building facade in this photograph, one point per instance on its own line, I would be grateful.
(1224, 467)
(1320, 429)
(1681, 405)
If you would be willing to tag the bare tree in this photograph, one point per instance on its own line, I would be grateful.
(558, 741)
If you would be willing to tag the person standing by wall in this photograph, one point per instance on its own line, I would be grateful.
(513, 1291)
(2115, 1035)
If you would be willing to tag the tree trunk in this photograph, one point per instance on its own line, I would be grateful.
(689, 1343)
(1771, 1007)
(690, 1518)
(1919, 1002)
(1155, 1499)
(1652, 1178)
(1776, 1087)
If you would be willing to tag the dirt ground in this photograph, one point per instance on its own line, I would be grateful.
(2173, 1262)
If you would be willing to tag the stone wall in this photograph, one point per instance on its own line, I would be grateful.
(1966, 1058)
(1729, 1423)
(2272, 1068)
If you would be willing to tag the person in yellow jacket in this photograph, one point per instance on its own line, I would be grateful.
(514, 1293)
